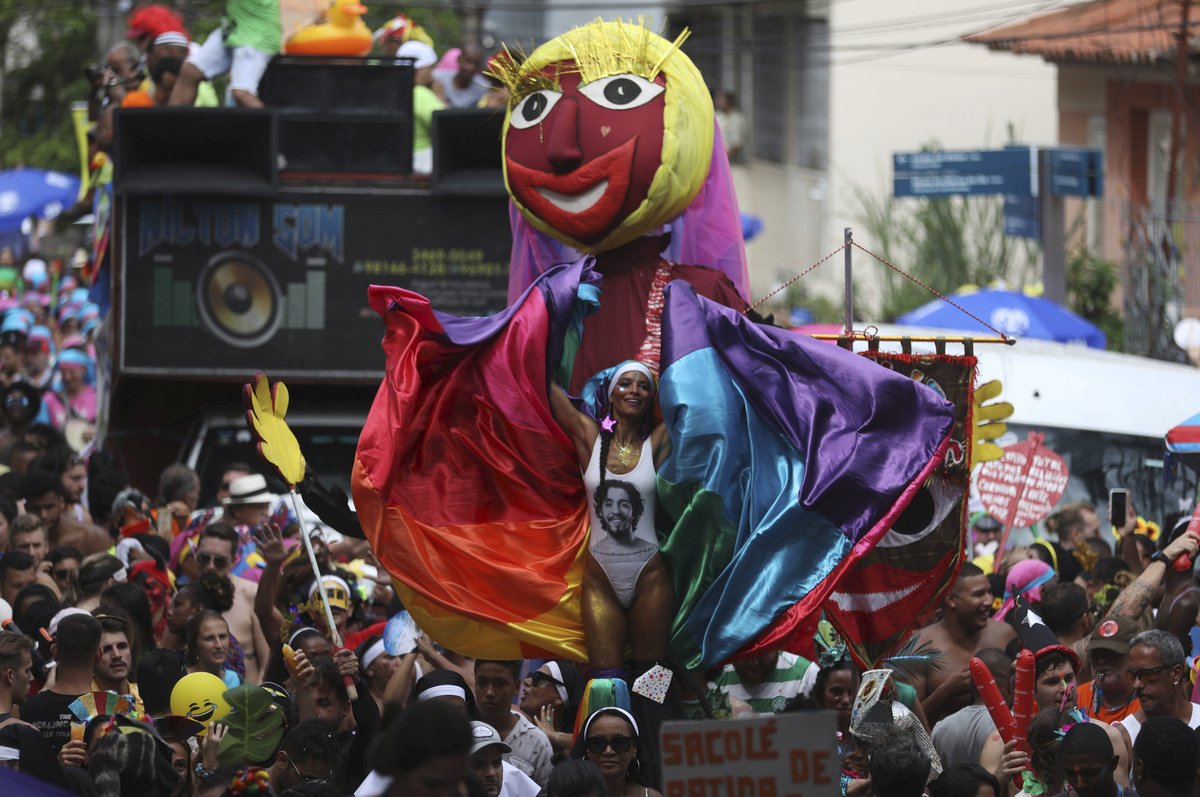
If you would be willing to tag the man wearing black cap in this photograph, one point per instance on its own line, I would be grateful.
(1109, 696)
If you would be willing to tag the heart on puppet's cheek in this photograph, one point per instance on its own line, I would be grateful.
(605, 130)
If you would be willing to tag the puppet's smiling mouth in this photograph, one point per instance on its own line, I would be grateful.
(575, 203)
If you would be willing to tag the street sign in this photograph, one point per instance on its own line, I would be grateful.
(1021, 217)
(1074, 171)
(781, 755)
(955, 173)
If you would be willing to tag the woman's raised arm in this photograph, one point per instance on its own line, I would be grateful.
(580, 428)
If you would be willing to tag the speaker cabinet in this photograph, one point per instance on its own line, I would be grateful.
(220, 151)
(467, 152)
(341, 116)
(336, 86)
(367, 145)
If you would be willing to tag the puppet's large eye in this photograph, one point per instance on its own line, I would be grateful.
(619, 92)
(533, 108)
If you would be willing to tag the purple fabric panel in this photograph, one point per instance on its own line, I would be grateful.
(862, 431)
(558, 287)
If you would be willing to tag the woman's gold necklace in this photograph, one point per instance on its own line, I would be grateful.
(626, 455)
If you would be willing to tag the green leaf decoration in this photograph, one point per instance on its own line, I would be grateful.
(256, 727)
(915, 661)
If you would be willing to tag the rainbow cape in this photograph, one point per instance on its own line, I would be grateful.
(791, 458)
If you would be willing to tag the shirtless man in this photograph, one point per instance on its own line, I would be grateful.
(43, 495)
(965, 629)
(216, 550)
(1181, 598)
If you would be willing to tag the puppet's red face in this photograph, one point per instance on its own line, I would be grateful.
(582, 159)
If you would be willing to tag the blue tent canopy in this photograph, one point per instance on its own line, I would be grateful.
(1015, 314)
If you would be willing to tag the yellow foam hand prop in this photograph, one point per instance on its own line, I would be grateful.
(988, 422)
(266, 407)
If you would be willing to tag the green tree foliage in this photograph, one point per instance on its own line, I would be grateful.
(1090, 285)
(47, 45)
(945, 243)
(824, 310)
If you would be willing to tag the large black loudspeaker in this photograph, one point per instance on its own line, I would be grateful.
(341, 115)
(224, 151)
(467, 152)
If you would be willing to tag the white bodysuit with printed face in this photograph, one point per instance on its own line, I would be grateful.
(623, 539)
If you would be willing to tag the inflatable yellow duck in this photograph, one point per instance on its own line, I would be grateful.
(342, 32)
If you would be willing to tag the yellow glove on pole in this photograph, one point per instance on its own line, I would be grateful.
(266, 408)
(987, 422)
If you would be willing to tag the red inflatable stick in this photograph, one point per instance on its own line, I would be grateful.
(1183, 562)
(997, 708)
(1023, 696)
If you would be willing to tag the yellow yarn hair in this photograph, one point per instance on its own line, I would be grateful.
(600, 49)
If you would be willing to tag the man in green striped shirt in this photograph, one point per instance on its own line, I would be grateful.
(765, 683)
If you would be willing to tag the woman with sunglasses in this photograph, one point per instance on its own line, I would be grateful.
(610, 741)
(20, 403)
(550, 698)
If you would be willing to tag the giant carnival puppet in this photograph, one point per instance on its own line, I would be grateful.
(698, 501)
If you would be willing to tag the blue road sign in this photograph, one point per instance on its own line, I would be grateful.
(1075, 172)
(1021, 217)
(934, 174)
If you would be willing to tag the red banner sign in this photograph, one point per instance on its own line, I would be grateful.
(1022, 488)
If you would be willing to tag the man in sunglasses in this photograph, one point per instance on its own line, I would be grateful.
(1158, 667)
(306, 755)
(216, 550)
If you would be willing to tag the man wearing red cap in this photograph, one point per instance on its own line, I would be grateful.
(148, 21)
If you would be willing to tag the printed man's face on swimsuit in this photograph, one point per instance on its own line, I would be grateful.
(617, 513)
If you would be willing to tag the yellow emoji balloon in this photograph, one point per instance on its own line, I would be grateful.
(201, 697)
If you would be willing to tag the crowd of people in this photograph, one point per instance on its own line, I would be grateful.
(156, 646)
(159, 64)
(111, 612)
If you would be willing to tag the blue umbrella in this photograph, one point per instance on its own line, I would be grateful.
(1015, 314)
(34, 192)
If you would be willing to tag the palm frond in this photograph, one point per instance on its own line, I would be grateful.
(915, 660)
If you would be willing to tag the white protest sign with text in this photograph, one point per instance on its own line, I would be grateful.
(768, 755)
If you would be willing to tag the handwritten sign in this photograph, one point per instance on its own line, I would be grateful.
(771, 755)
(1022, 488)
